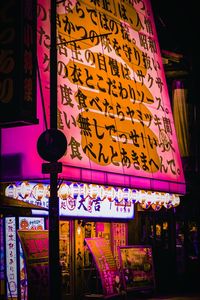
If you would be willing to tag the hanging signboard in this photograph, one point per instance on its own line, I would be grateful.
(113, 102)
(77, 199)
(137, 267)
(106, 265)
(35, 246)
(18, 63)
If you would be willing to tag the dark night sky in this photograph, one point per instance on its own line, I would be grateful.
(177, 25)
(178, 29)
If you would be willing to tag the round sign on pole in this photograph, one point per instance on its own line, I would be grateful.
(52, 145)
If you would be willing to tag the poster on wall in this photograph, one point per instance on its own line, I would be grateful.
(113, 102)
(35, 246)
(137, 267)
(106, 265)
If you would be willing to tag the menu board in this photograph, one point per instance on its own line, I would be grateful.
(137, 267)
(103, 257)
(35, 247)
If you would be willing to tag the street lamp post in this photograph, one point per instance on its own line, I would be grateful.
(54, 261)
(54, 140)
(52, 145)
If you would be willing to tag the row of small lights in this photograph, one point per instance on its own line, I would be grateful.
(156, 200)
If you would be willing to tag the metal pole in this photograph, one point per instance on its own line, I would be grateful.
(54, 262)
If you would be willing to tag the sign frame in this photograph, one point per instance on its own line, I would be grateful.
(144, 270)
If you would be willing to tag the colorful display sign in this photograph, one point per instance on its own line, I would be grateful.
(35, 246)
(27, 223)
(79, 199)
(18, 64)
(103, 257)
(137, 267)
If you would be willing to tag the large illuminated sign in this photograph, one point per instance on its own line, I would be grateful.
(78, 199)
(113, 102)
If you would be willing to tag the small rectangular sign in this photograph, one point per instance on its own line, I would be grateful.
(53, 167)
(137, 267)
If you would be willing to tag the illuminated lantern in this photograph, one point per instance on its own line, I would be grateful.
(25, 190)
(119, 195)
(126, 194)
(82, 190)
(75, 189)
(10, 191)
(86, 190)
(156, 206)
(39, 191)
(145, 204)
(134, 196)
(175, 200)
(102, 193)
(168, 204)
(156, 201)
(147, 199)
(63, 191)
(110, 194)
(93, 191)
(47, 191)
(167, 201)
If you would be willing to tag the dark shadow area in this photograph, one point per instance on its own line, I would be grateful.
(11, 167)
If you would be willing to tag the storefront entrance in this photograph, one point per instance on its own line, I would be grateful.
(176, 247)
(79, 273)
(159, 230)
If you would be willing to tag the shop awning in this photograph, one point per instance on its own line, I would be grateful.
(8, 204)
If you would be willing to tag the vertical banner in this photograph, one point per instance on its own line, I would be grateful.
(119, 238)
(2, 265)
(103, 257)
(35, 246)
(11, 258)
(18, 63)
(137, 267)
